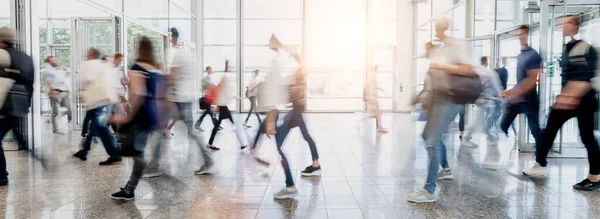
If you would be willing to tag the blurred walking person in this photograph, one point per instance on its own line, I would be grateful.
(251, 93)
(221, 96)
(143, 114)
(206, 85)
(19, 67)
(371, 98)
(181, 97)
(446, 61)
(94, 70)
(56, 81)
(579, 63)
(485, 107)
(523, 98)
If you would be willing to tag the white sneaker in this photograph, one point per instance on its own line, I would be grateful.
(421, 196)
(286, 193)
(445, 174)
(537, 170)
(468, 144)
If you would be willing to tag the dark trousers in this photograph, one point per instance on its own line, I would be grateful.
(86, 123)
(293, 119)
(585, 119)
(209, 113)
(6, 125)
(99, 128)
(531, 110)
(252, 108)
(216, 128)
(461, 117)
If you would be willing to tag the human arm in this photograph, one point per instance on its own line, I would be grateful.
(579, 84)
(136, 97)
(270, 128)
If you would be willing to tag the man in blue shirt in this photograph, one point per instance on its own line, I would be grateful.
(576, 99)
(503, 73)
(523, 98)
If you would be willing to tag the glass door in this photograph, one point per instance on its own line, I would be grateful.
(384, 58)
(98, 33)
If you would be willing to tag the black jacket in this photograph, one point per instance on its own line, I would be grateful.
(21, 70)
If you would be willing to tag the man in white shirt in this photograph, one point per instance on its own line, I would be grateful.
(181, 95)
(120, 83)
(58, 90)
(91, 70)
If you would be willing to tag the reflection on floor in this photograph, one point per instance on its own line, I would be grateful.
(364, 175)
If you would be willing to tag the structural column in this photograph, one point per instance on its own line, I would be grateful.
(403, 84)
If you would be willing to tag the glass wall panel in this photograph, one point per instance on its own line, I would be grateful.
(442, 6)
(219, 32)
(220, 9)
(5, 13)
(116, 5)
(184, 4)
(484, 17)
(61, 31)
(423, 12)
(154, 13)
(184, 22)
(73, 8)
(278, 9)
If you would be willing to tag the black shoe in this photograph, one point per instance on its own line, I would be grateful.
(587, 185)
(220, 128)
(123, 195)
(214, 148)
(243, 147)
(460, 137)
(110, 161)
(311, 171)
(4, 182)
(81, 155)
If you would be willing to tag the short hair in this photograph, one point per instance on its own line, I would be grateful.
(47, 60)
(207, 67)
(442, 23)
(104, 58)
(575, 18)
(524, 27)
(94, 52)
(484, 59)
(174, 32)
(118, 55)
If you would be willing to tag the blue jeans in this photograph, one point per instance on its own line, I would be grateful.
(140, 138)
(439, 116)
(483, 119)
(99, 128)
(531, 110)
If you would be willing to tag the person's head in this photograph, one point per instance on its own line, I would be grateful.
(174, 36)
(256, 72)
(570, 25)
(118, 59)
(7, 37)
(484, 61)
(146, 51)
(93, 53)
(441, 25)
(51, 60)
(523, 33)
(105, 59)
(209, 70)
(503, 60)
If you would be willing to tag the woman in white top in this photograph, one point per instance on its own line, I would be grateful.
(251, 93)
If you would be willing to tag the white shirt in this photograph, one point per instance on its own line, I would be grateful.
(57, 78)
(94, 69)
(116, 72)
(182, 87)
(274, 93)
(452, 52)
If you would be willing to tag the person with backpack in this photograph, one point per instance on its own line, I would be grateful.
(576, 99)
(450, 71)
(142, 117)
(17, 66)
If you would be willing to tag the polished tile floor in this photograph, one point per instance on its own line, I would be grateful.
(365, 175)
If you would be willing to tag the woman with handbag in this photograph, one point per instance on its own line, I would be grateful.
(251, 93)
(143, 114)
(448, 68)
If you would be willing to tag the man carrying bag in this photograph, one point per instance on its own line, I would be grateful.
(16, 87)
